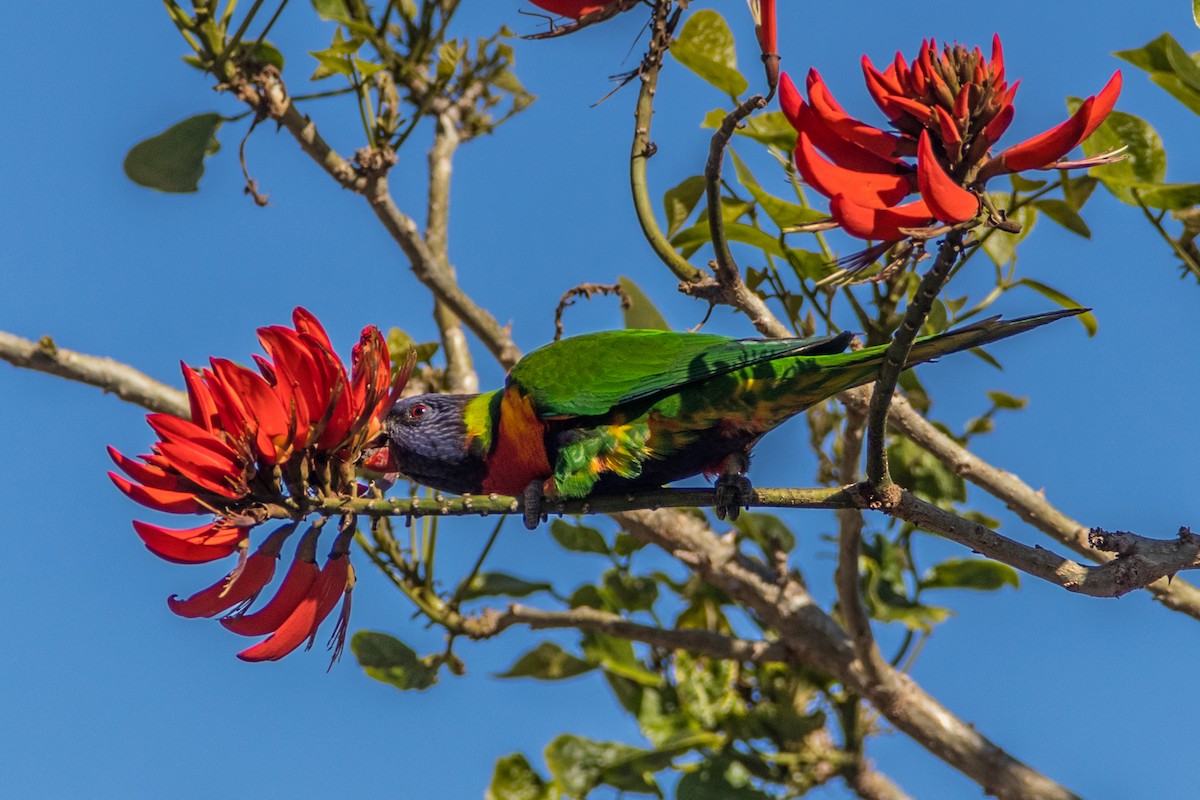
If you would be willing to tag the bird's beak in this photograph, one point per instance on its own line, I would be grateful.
(377, 457)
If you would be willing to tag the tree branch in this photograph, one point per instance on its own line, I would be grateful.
(1140, 560)
(642, 149)
(1028, 504)
(492, 621)
(112, 376)
(460, 371)
(269, 95)
(819, 643)
(897, 355)
(846, 575)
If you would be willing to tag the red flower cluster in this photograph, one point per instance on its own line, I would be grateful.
(572, 8)
(947, 110)
(260, 445)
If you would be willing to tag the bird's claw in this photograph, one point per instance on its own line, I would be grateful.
(734, 492)
(532, 505)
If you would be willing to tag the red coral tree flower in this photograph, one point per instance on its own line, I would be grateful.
(947, 109)
(574, 8)
(263, 444)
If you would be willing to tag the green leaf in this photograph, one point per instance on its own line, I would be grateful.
(770, 128)
(633, 593)
(1022, 184)
(970, 573)
(514, 779)
(1147, 159)
(1007, 401)
(1166, 196)
(680, 201)
(765, 530)
(916, 470)
(718, 779)
(1077, 189)
(1088, 320)
(809, 265)
(579, 765)
(386, 658)
(641, 312)
(697, 236)
(1061, 212)
(173, 161)
(706, 47)
(616, 656)
(1170, 82)
(783, 213)
(1196, 12)
(1182, 64)
(267, 53)
(547, 662)
(500, 584)
(579, 538)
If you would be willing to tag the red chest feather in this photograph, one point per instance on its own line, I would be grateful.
(520, 452)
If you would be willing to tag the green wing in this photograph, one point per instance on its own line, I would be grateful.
(591, 374)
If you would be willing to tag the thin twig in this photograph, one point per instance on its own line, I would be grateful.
(897, 355)
(642, 148)
(693, 640)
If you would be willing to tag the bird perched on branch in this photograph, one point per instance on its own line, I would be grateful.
(635, 409)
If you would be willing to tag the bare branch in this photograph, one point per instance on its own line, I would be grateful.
(643, 149)
(268, 94)
(897, 355)
(693, 640)
(819, 643)
(1029, 504)
(112, 376)
(460, 370)
(846, 575)
(1141, 561)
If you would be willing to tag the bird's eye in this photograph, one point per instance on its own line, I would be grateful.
(417, 411)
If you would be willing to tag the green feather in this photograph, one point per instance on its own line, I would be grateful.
(591, 374)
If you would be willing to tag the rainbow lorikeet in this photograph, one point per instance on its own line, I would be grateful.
(622, 410)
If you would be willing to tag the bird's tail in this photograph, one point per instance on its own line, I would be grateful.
(848, 370)
(984, 332)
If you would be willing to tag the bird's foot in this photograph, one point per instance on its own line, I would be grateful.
(532, 501)
(734, 492)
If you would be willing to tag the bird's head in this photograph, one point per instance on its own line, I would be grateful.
(427, 437)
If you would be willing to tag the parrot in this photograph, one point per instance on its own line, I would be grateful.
(617, 411)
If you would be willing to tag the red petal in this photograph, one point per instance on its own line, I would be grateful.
(840, 151)
(303, 622)
(572, 8)
(999, 123)
(948, 201)
(239, 586)
(879, 85)
(192, 463)
(295, 586)
(305, 322)
(149, 475)
(879, 223)
(204, 409)
(1105, 101)
(158, 499)
(951, 138)
(859, 133)
(193, 545)
(174, 429)
(1046, 148)
(867, 188)
(996, 66)
(767, 28)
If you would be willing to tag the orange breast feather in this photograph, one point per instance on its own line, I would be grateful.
(520, 452)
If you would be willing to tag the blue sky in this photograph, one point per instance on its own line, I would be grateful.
(109, 695)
